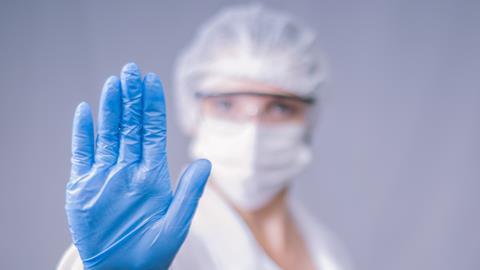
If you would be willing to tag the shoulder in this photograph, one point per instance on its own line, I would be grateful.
(70, 260)
(329, 249)
(193, 254)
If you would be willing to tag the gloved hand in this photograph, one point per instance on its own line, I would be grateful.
(121, 210)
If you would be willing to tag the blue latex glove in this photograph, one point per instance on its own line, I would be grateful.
(121, 210)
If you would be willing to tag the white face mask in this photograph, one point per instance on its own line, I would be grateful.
(251, 162)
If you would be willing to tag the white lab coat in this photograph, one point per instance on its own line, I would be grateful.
(219, 239)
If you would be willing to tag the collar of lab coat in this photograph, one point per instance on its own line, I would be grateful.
(220, 239)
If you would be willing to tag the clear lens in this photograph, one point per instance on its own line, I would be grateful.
(260, 107)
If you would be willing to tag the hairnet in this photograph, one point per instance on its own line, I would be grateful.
(249, 43)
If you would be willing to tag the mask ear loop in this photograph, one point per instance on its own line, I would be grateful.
(311, 117)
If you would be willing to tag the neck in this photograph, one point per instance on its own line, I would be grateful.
(271, 223)
(274, 211)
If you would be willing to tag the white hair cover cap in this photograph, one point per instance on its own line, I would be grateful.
(250, 43)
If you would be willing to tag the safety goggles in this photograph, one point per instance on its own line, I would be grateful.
(258, 106)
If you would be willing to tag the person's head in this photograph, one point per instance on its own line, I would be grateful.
(245, 90)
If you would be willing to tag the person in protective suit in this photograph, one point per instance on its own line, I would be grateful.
(247, 89)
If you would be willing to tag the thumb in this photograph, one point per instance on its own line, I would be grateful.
(188, 192)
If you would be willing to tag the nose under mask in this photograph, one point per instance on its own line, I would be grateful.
(251, 162)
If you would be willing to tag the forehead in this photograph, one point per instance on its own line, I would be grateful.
(244, 86)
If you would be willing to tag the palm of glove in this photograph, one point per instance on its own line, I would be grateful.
(121, 210)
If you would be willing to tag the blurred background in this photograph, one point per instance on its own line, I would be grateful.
(397, 170)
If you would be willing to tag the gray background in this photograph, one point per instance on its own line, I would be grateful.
(397, 169)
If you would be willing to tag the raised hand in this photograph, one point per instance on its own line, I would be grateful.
(121, 210)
